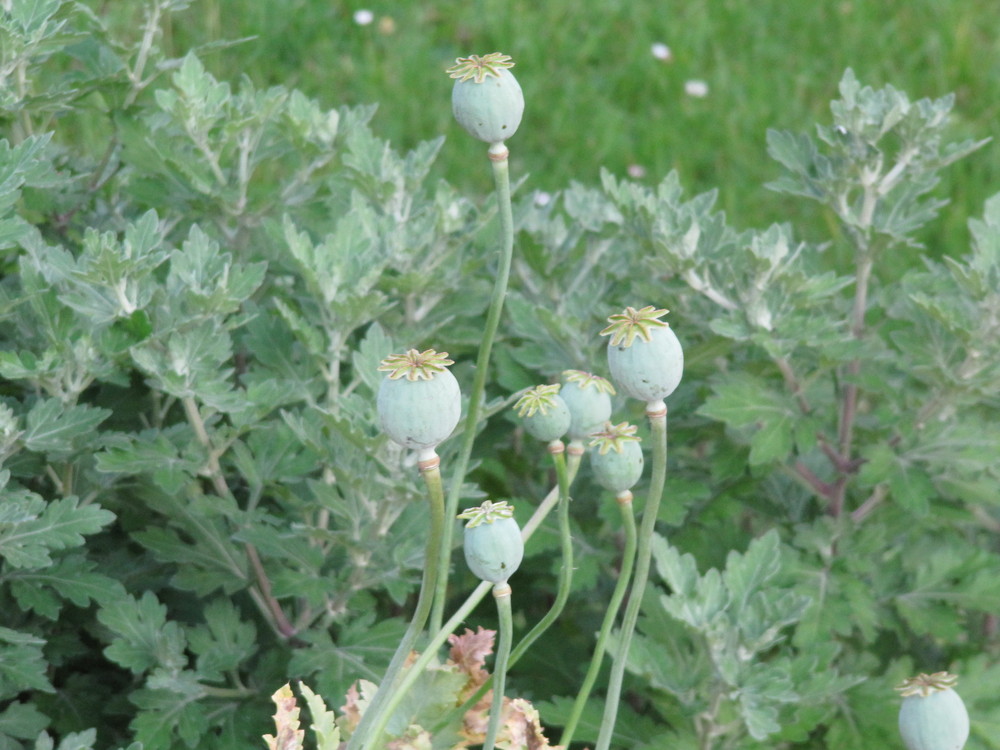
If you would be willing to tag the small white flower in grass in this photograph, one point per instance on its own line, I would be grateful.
(636, 171)
(542, 198)
(696, 88)
(363, 17)
(661, 52)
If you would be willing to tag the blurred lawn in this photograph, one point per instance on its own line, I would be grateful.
(597, 96)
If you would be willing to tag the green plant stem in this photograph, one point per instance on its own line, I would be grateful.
(396, 694)
(566, 572)
(431, 472)
(572, 466)
(501, 180)
(658, 435)
(501, 592)
(628, 561)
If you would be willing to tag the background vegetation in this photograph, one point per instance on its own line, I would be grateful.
(603, 100)
(202, 271)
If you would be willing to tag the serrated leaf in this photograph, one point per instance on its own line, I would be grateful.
(54, 428)
(224, 642)
(746, 574)
(22, 664)
(374, 347)
(679, 572)
(362, 649)
(164, 713)
(142, 636)
(433, 693)
(71, 578)
(149, 452)
(210, 280)
(58, 525)
(948, 580)
(22, 721)
(78, 740)
(747, 404)
(759, 698)
(694, 599)
(287, 734)
(323, 725)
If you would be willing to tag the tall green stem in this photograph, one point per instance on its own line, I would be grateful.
(628, 561)
(566, 572)
(431, 472)
(501, 592)
(398, 692)
(658, 435)
(395, 695)
(501, 179)
(572, 466)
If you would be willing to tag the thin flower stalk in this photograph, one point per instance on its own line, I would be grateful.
(566, 475)
(566, 572)
(396, 694)
(657, 415)
(502, 594)
(610, 615)
(430, 470)
(501, 179)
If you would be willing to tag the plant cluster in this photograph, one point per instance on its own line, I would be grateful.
(232, 458)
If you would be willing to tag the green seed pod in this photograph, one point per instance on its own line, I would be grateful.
(932, 716)
(486, 99)
(493, 544)
(546, 416)
(588, 398)
(617, 461)
(419, 402)
(645, 358)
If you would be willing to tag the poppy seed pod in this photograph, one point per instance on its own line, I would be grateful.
(544, 414)
(588, 398)
(932, 715)
(617, 459)
(486, 100)
(492, 541)
(419, 402)
(645, 358)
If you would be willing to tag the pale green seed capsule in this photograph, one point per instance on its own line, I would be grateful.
(932, 715)
(492, 541)
(588, 398)
(487, 100)
(419, 403)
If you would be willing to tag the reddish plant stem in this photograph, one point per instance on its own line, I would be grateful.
(263, 596)
(849, 406)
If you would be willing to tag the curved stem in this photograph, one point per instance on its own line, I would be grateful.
(501, 592)
(397, 693)
(566, 572)
(628, 561)
(431, 472)
(501, 180)
(657, 414)
(572, 466)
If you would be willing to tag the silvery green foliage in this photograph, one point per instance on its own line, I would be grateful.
(194, 306)
(191, 319)
(850, 392)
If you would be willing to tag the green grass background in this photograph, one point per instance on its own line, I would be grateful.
(596, 96)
